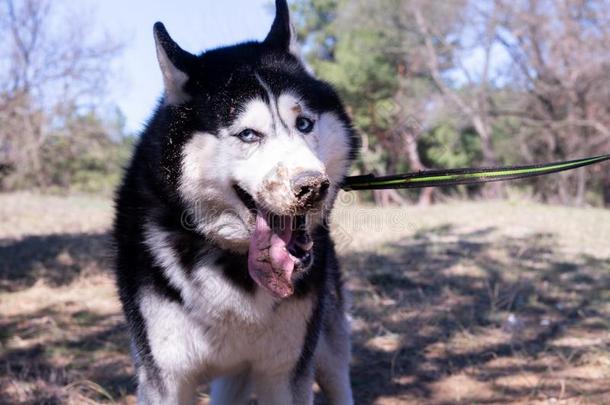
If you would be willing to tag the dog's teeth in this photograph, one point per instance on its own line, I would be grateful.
(305, 260)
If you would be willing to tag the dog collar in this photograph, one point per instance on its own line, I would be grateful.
(452, 177)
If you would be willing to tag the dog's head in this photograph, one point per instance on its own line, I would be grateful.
(254, 146)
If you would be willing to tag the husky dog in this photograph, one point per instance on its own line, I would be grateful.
(225, 266)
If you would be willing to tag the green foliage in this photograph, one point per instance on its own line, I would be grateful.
(446, 146)
(440, 66)
(360, 47)
(86, 155)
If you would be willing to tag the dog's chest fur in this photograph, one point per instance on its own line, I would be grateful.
(222, 329)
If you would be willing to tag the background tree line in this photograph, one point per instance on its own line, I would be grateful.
(429, 84)
(435, 84)
(56, 130)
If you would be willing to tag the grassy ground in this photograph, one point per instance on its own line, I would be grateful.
(458, 303)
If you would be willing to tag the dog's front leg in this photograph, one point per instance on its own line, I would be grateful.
(332, 362)
(234, 390)
(156, 388)
(283, 390)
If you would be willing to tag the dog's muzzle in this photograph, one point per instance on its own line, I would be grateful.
(309, 188)
(280, 245)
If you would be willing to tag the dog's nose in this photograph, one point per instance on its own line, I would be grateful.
(310, 188)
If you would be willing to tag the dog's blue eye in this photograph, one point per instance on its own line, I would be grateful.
(305, 125)
(249, 136)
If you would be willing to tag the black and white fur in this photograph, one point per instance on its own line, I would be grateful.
(182, 230)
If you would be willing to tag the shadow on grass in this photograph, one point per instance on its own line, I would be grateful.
(57, 353)
(64, 354)
(425, 311)
(56, 259)
(433, 306)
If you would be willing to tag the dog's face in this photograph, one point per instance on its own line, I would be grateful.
(256, 148)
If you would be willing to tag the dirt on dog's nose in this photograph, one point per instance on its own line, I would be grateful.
(310, 188)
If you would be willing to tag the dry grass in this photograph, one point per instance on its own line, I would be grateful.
(459, 303)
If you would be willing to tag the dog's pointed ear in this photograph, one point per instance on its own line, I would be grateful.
(283, 35)
(175, 64)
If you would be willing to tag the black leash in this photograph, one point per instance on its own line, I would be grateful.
(451, 177)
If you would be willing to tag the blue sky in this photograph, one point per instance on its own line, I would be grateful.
(195, 24)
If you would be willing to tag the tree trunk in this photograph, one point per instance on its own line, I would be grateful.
(581, 184)
(496, 189)
(410, 138)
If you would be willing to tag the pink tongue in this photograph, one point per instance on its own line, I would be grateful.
(269, 262)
